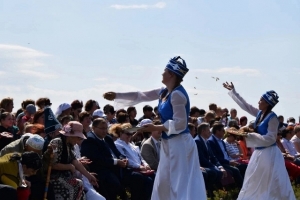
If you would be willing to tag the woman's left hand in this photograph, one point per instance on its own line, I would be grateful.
(92, 179)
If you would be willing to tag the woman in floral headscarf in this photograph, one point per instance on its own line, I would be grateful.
(65, 164)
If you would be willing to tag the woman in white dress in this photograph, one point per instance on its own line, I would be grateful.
(178, 176)
(266, 176)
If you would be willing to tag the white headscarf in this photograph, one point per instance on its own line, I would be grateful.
(61, 108)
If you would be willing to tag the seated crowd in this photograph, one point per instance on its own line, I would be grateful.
(97, 154)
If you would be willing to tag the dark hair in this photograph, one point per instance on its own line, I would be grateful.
(83, 115)
(76, 104)
(285, 132)
(37, 115)
(243, 118)
(233, 123)
(202, 112)
(27, 102)
(121, 117)
(147, 108)
(217, 127)
(130, 109)
(65, 117)
(19, 111)
(5, 102)
(155, 108)
(3, 115)
(212, 105)
(98, 121)
(30, 159)
(44, 100)
(191, 125)
(194, 110)
(108, 109)
(89, 105)
(201, 127)
(121, 111)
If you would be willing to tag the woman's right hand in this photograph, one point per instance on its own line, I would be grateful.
(109, 96)
(228, 86)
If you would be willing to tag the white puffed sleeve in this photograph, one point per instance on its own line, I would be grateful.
(132, 98)
(242, 103)
(257, 140)
(179, 121)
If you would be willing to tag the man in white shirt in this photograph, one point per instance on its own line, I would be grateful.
(288, 145)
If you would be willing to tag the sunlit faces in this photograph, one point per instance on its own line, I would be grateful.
(206, 133)
(101, 129)
(166, 76)
(133, 113)
(156, 134)
(125, 136)
(9, 107)
(110, 116)
(86, 121)
(8, 121)
(262, 104)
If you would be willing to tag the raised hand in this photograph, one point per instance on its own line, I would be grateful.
(228, 86)
(109, 96)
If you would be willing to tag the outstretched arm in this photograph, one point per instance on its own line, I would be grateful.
(132, 98)
(239, 100)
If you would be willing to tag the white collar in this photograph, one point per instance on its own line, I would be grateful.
(154, 140)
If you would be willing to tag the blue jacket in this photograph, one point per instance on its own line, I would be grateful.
(99, 152)
(217, 151)
(206, 157)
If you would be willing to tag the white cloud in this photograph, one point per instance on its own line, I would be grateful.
(20, 57)
(232, 70)
(158, 5)
(40, 75)
(9, 50)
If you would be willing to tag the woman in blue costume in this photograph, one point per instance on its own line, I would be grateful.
(178, 176)
(266, 177)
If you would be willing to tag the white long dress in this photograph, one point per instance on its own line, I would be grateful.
(266, 177)
(178, 175)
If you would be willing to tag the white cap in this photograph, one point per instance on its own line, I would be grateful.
(98, 113)
(61, 108)
(35, 141)
(144, 122)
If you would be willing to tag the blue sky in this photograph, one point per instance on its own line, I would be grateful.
(68, 50)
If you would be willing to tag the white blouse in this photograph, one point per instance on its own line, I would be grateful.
(255, 139)
(178, 101)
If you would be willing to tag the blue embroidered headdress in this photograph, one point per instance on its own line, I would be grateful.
(271, 97)
(177, 67)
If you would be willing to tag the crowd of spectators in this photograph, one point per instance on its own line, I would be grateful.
(96, 155)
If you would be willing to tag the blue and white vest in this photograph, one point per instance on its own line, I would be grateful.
(262, 128)
(165, 110)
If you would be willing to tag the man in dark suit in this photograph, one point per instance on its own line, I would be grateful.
(213, 170)
(151, 148)
(110, 165)
(219, 150)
